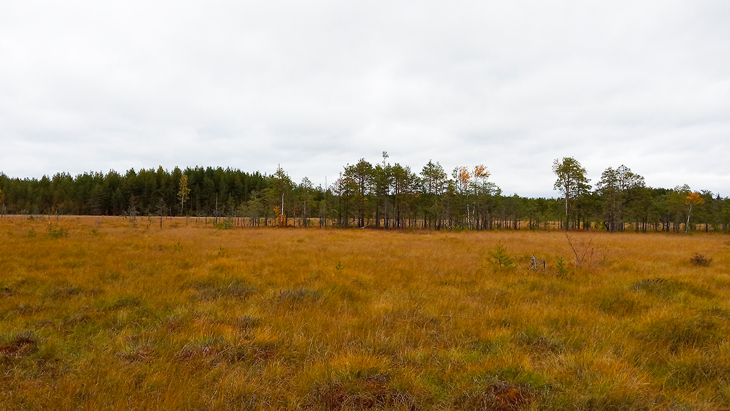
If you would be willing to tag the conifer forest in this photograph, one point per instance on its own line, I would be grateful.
(380, 195)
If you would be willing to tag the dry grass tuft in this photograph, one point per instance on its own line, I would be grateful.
(22, 344)
(501, 396)
(144, 353)
(371, 392)
(212, 288)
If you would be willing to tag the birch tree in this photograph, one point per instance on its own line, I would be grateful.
(692, 199)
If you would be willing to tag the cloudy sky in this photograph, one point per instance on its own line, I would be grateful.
(90, 85)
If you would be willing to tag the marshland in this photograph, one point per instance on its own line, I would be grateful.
(96, 313)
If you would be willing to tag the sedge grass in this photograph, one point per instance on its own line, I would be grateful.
(189, 317)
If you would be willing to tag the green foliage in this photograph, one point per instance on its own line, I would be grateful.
(571, 181)
(499, 258)
(374, 195)
(560, 265)
(224, 225)
(56, 232)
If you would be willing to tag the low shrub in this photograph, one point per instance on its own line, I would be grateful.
(700, 260)
(56, 232)
(499, 258)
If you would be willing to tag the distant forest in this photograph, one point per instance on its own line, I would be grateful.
(380, 195)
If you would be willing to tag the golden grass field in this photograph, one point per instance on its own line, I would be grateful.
(106, 316)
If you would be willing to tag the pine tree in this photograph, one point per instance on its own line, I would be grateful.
(572, 182)
(184, 192)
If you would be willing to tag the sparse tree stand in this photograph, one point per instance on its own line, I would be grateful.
(572, 182)
(183, 194)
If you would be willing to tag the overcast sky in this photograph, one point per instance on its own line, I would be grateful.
(92, 85)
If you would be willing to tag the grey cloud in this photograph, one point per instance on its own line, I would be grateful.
(312, 86)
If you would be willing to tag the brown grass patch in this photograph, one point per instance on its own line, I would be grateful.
(501, 396)
(144, 353)
(372, 392)
(22, 344)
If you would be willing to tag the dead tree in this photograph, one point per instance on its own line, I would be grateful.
(535, 263)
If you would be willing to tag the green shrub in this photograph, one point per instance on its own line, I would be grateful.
(499, 258)
(224, 225)
(56, 232)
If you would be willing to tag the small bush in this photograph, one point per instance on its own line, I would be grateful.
(499, 258)
(700, 260)
(224, 225)
(56, 232)
(560, 265)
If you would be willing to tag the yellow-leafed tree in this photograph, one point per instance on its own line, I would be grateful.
(280, 217)
(692, 199)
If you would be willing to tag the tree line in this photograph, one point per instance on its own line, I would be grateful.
(379, 195)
